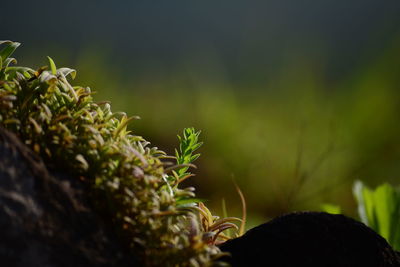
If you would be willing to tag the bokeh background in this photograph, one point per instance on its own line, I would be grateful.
(295, 99)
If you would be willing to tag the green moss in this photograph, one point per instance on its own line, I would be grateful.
(127, 178)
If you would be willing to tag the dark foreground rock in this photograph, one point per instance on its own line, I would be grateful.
(46, 219)
(311, 239)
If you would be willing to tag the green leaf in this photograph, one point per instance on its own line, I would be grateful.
(185, 201)
(332, 209)
(8, 61)
(27, 72)
(66, 72)
(380, 210)
(194, 157)
(196, 146)
(124, 123)
(384, 203)
(8, 50)
(47, 77)
(358, 192)
(52, 66)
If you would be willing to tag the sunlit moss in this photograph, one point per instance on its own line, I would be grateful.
(130, 182)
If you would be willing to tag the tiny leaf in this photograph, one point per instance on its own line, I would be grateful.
(52, 66)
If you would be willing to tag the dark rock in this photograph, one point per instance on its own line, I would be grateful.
(46, 218)
(311, 239)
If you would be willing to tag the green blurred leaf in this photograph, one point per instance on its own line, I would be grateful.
(330, 208)
(359, 191)
(380, 210)
(8, 50)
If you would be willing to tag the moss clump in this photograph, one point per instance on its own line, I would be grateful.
(125, 176)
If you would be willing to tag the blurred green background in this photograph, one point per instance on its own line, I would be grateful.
(295, 99)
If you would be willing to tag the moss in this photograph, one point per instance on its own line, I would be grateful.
(125, 176)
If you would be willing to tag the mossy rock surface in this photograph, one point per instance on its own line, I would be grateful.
(46, 218)
(133, 186)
